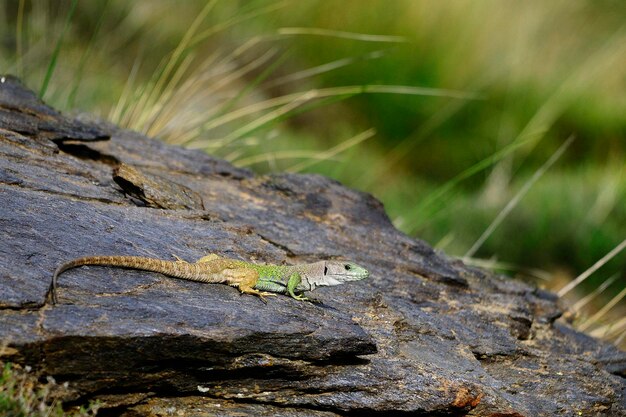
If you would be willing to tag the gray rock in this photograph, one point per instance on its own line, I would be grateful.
(424, 335)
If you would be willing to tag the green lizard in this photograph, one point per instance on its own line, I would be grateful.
(259, 280)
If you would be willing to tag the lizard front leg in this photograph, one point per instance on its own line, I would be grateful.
(292, 284)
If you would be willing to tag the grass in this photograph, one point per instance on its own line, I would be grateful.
(22, 395)
(57, 49)
(514, 201)
(464, 117)
(579, 279)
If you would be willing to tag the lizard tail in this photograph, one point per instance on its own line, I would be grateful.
(176, 269)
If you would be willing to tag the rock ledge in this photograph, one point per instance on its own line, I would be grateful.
(425, 335)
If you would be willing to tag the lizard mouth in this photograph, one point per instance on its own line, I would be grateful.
(357, 276)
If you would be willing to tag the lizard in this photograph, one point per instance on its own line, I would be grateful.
(250, 278)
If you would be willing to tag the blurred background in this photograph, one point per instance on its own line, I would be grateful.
(494, 130)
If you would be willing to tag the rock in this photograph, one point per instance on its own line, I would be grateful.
(424, 335)
(26, 114)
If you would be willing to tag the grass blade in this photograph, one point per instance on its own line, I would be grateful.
(259, 122)
(153, 91)
(341, 34)
(254, 83)
(321, 69)
(19, 31)
(441, 191)
(493, 265)
(57, 49)
(517, 198)
(238, 19)
(117, 113)
(83, 60)
(609, 330)
(330, 153)
(339, 91)
(265, 157)
(594, 319)
(586, 299)
(593, 269)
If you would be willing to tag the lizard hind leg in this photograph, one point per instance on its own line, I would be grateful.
(245, 280)
(208, 258)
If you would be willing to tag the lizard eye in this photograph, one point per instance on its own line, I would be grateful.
(325, 270)
(348, 267)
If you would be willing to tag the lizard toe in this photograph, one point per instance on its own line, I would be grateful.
(178, 258)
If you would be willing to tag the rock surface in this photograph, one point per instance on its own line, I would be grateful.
(425, 335)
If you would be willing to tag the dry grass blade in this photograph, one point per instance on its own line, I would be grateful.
(586, 299)
(338, 91)
(153, 91)
(608, 192)
(588, 71)
(433, 198)
(57, 50)
(177, 104)
(255, 124)
(277, 155)
(609, 330)
(178, 119)
(494, 265)
(404, 147)
(414, 91)
(238, 19)
(330, 153)
(341, 34)
(19, 32)
(518, 197)
(148, 120)
(593, 269)
(321, 69)
(594, 319)
(117, 112)
(534, 130)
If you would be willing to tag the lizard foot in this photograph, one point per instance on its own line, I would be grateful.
(263, 294)
(260, 294)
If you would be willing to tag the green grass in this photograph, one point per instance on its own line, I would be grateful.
(21, 395)
(467, 99)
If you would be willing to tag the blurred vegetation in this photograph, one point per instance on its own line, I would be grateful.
(22, 395)
(512, 81)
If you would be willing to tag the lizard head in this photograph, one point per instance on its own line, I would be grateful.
(338, 272)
